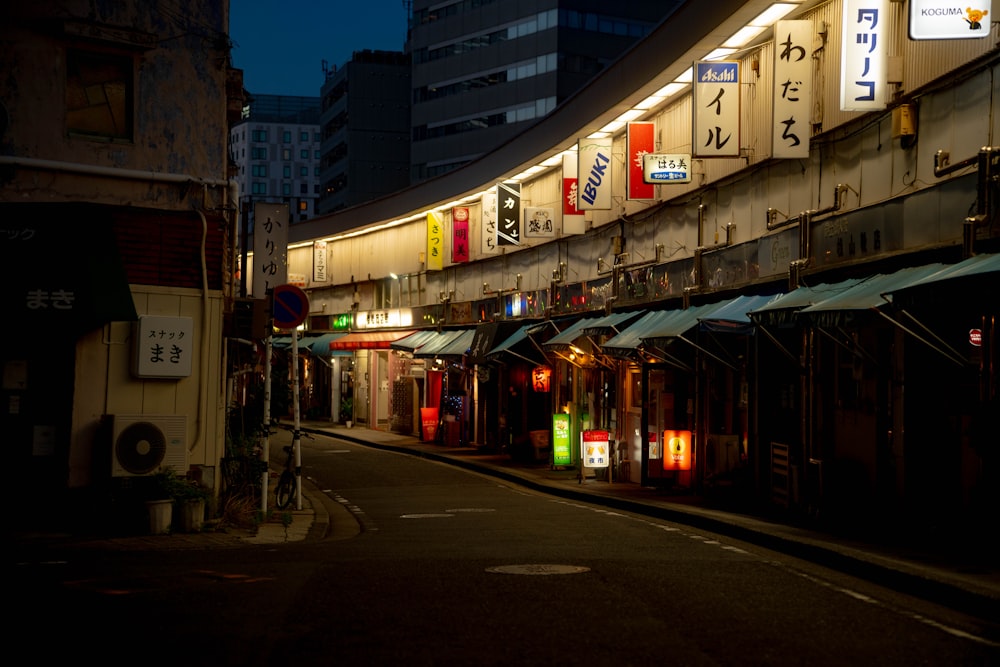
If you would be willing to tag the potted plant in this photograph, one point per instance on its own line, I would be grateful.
(347, 410)
(186, 495)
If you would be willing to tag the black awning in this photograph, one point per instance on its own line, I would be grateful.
(68, 275)
(487, 336)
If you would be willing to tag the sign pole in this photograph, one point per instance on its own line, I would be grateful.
(296, 443)
(265, 450)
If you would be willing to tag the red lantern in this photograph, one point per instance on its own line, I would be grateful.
(540, 378)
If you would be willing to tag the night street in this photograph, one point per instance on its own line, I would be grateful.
(452, 567)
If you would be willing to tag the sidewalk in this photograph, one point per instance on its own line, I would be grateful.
(935, 568)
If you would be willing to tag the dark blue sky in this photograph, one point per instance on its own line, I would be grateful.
(281, 46)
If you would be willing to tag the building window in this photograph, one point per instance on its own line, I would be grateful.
(303, 205)
(287, 171)
(304, 172)
(259, 170)
(259, 188)
(286, 137)
(258, 153)
(316, 155)
(303, 136)
(259, 136)
(304, 188)
(286, 189)
(286, 154)
(99, 92)
(304, 153)
(316, 137)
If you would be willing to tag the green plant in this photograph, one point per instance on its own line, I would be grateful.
(167, 484)
(346, 409)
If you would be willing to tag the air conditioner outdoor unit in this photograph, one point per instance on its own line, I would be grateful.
(145, 444)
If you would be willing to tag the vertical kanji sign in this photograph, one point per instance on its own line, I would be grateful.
(574, 221)
(792, 87)
(488, 224)
(641, 141)
(509, 214)
(459, 234)
(435, 242)
(864, 55)
(270, 247)
(716, 103)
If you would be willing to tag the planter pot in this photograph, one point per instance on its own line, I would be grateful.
(349, 423)
(160, 514)
(192, 515)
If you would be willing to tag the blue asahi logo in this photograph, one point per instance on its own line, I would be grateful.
(718, 72)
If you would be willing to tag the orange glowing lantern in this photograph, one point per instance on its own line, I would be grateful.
(677, 450)
(541, 377)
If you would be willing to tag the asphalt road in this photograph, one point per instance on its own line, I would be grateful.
(454, 568)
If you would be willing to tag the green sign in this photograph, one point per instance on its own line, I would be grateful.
(342, 322)
(562, 454)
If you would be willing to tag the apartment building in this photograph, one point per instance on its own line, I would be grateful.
(276, 148)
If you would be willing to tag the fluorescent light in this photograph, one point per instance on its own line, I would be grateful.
(650, 102)
(598, 135)
(613, 126)
(685, 77)
(743, 36)
(631, 114)
(719, 53)
(553, 161)
(773, 13)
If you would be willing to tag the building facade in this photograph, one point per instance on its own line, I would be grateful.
(118, 219)
(484, 71)
(774, 320)
(365, 122)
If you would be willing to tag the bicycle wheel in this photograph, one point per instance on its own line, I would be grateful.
(285, 490)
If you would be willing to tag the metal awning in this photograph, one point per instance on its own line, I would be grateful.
(447, 344)
(522, 334)
(368, 340)
(977, 266)
(781, 311)
(614, 323)
(487, 335)
(570, 333)
(865, 295)
(734, 316)
(414, 341)
(320, 346)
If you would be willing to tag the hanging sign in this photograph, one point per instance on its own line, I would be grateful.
(641, 142)
(792, 87)
(666, 168)
(940, 19)
(573, 219)
(489, 224)
(508, 214)
(594, 174)
(864, 54)
(540, 378)
(270, 247)
(716, 103)
(459, 234)
(435, 242)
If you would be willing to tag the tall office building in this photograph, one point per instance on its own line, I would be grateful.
(365, 121)
(485, 70)
(276, 148)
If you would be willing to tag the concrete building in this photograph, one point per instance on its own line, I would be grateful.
(365, 122)
(118, 216)
(485, 71)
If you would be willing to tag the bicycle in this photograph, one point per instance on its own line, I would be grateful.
(284, 492)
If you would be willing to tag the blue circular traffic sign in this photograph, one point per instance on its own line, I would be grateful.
(290, 306)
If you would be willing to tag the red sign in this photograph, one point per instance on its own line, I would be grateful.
(459, 234)
(290, 306)
(976, 337)
(640, 141)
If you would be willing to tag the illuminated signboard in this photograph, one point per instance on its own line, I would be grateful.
(677, 450)
(596, 448)
(561, 453)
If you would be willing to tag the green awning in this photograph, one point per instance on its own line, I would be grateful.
(867, 294)
(568, 335)
(447, 344)
(782, 310)
(69, 274)
(414, 341)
